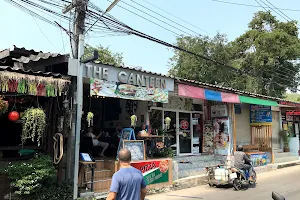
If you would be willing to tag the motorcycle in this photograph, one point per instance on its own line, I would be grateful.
(277, 196)
(242, 178)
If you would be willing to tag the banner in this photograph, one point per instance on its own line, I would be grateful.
(126, 91)
(155, 171)
(261, 115)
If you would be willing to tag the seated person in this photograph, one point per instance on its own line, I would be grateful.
(96, 142)
(143, 131)
(242, 161)
(119, 130)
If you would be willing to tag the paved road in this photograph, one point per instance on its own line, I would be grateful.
(284, 181)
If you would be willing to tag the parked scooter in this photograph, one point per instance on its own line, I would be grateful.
(277, 196)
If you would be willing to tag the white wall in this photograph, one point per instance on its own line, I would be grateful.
(243, 130)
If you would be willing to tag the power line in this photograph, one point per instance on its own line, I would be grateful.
(130, 30)
(279, 11)
(165, 17)
(152, 17)
(147, 19)
(177, 17)
(249, 5)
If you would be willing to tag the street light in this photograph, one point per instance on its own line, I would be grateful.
(106, 11)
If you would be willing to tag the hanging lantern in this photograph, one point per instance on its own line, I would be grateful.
(13, 116)
(167, 121)
(133, 119)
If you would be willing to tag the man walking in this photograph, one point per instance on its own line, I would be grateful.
(127, 183)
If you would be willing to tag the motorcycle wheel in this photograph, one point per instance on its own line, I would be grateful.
(253, 179)
(238, 183)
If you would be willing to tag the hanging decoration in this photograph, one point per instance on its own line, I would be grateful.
(90, 119)
(3, 106)
(133, 119)
(34, 123)
(13, 116)
(167, 122)
(32, 85)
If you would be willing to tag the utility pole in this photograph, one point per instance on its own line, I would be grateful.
(77, 88)
(76, 92)
(78, 51)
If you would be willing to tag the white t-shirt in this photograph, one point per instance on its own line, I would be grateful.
(95, 141)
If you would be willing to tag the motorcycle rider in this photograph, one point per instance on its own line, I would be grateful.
(242, 161)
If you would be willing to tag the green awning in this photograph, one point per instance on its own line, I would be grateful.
(251, 100)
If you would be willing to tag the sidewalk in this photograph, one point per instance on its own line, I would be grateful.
(194, 181)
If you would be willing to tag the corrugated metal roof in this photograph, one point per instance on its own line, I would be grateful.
(207, 85)
(38, 73)
(227, 89)
(37, 57)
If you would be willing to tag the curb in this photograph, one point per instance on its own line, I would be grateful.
(198, 180)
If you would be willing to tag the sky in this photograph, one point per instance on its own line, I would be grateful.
(206, 16)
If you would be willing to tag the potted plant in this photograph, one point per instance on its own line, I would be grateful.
(34, 123)
(285, 136)
(3, 106)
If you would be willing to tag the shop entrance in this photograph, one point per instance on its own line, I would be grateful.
(186, 127)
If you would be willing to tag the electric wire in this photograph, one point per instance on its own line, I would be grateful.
(177, 17)
(249, 5)
(130, 30)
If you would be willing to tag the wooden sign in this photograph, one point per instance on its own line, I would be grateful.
(136, 148)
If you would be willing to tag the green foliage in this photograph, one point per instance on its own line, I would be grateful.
(285, 136)
(294, 97)
(36, 179)
(106, 56)
(191, 67)
(267, 52)
(29, 177)
(34, 123)
(166, 152)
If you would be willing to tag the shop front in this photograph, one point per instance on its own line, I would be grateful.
(290, 124)
(257, 128)
(117, 105)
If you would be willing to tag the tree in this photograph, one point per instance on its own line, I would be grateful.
(106, 56)
(292, 97)
(191, 67)
(266, 53)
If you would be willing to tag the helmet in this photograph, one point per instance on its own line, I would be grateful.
(240, 148)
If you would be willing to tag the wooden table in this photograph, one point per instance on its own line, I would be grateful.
(85, 166)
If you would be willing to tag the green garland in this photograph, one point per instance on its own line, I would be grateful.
(34, 123)
(32, 85)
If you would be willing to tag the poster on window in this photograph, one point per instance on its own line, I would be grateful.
(126, 91)
(208, 138)
(222, 136)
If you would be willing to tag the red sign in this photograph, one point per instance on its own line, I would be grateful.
(154, 171)
(184, 124)
(292, 112)
(289, 103)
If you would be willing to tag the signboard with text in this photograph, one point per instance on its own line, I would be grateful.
(122, 75)
(154, 171)
(260, 115)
